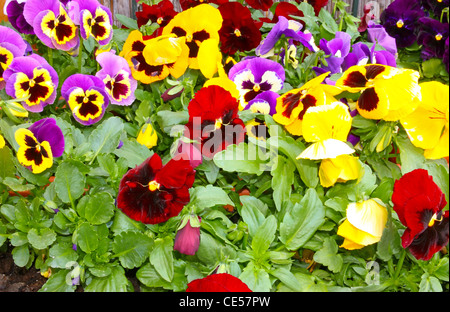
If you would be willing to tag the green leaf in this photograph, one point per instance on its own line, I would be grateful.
(162, 258)
(390, 242)
(133, 152)
(41, 238)
(253, 213)
(429, 284)
(7, 168)
(327, 255)
(264, 236)
(168, 119)
(209, 196)
(86, 237)
(411, 157)
(69, 182)
(61, 254)
(16, 184)
(58, 282)
(127, 21)
(283, 178)
(116, 281)
(105, 138)
(287, 278)
(243, 157)
(21, 255)
(132, 248)
(100, 208)
(300, 224)
(256, 279)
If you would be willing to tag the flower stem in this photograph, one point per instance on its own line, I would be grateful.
(399, 264)
(50, 56)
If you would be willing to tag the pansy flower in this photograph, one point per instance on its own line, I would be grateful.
(52, 24)
(196, 25)
(86, 97)
(219, 282)
(39, 144)
(33, 80)
(377, 34)
(435, 6)
(335, 52)
(264, 103)
(94, 19)
(317, 4)
(364, 224)
(255, 75)
(445, 59)
(239, 31)
(155, 59)
(340, 169)
(361, 54)
(213, 120)
(419, 203)
(257, 129)
(186, 4)
(11, 45)
(147, 136)
(292, 106)
(153, 193)
(400, 20)
(14, 10)
(187, 239)
(428, 126)
(432, 35)
(387, 92)
(161, 14)
(287, 10)
(263, 5)
(116, 75)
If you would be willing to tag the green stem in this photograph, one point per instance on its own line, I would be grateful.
(50, 56)
(399, 264)
(80, 57)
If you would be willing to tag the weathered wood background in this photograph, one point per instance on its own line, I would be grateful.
(128, 7)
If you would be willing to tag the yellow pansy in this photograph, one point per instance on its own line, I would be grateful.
(364, 224)
(36, 155)
(340, 169)
(147, 136)
(428, 126)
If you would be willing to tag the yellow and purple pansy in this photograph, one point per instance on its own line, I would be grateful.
(116, 75)
(11, 45)
(32, 80)
(39, 144)
(52, 24)
(86, 97)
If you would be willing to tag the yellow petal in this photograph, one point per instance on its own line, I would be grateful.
(162, 50)
(340, 169)
(147, 136)
(368, 216)
(209, 57)
(441, 149)
(2, 141)
(355, 238)
(329, 148)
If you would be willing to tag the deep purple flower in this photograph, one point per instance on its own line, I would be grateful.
(33, 79)
(361, 55)
(86, 97)
(11, 45)
(116, 75)
(14, 10)
(435, 6)
(400, 20)
(290, 29)
(187, 239)
(445, 59)
(335, 52)
(432, 35)
(255, 75)
(47, 130)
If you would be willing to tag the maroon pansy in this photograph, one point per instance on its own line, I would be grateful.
(160, 13)
(213, 120)
(287, 10)
(152, 193)
(419, 202)
(221, 282)
(239, 31)
(263, 5)
(186, 4)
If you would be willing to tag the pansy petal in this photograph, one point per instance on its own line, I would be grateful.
(340, 169)
(355, 238)
(329, 148)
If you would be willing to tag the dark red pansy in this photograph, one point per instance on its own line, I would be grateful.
(152, 193)
(160, 13)
(221, 282)
(186, 4)
(213, 120)
(419, 202)
(239, 31)
(317, 4)
(263, 5)
(287, 10)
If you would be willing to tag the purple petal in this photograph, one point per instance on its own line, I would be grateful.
(80, 81)
(258, 66)
(47, 130)
(17, 45)
(267, 98)
(34, 7)
(111, 64)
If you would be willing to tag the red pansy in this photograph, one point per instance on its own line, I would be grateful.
(152, 193)
(221, 282)
(213, 120)
(287, 9)
(419, 201)
(317, 4)
(239, 31)
(160, 13)
(186, 4)
(263, 5)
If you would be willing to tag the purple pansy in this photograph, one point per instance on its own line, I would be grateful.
(14, 10)
(435, 6)
(31, 78)
(116, 75)
(52, 24)
(400, 20)
(335, 52)
(47, 130)
(446, 52)
(432, 35)
(86, 97)
(361, 55)
(11, 45)
(290, 29)
(255, 75)
(264, 103)
(377, 34)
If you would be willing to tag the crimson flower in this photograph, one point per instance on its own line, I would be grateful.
(419, 204)
(160, 13)
(213, 120)
(287, 10)
(186, 4)
(239, 31)
(317, 4)
(152, 193)
(263, 5)
(221, 282)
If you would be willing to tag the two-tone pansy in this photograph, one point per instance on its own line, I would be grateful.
(11, 45)
(116, 75)
(387, 92)
(160, 13)
(255, 75)
(39, 144)
(196, 25)
(428, 126)
(52, 24)
(292, 106)
(94, 19)
(86, 97)
(155, 59)
(32, 80)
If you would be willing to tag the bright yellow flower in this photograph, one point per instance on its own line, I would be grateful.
(209, 58)
(387, 93)
(364, 224)
(31, 153)
(2, 141)
(147, 136)
(327, 126)
(340, 169)
(428, 126)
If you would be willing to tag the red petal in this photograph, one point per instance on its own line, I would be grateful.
(222, 282)
(176, 173)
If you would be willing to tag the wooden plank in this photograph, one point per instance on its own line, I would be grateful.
(3, 17)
